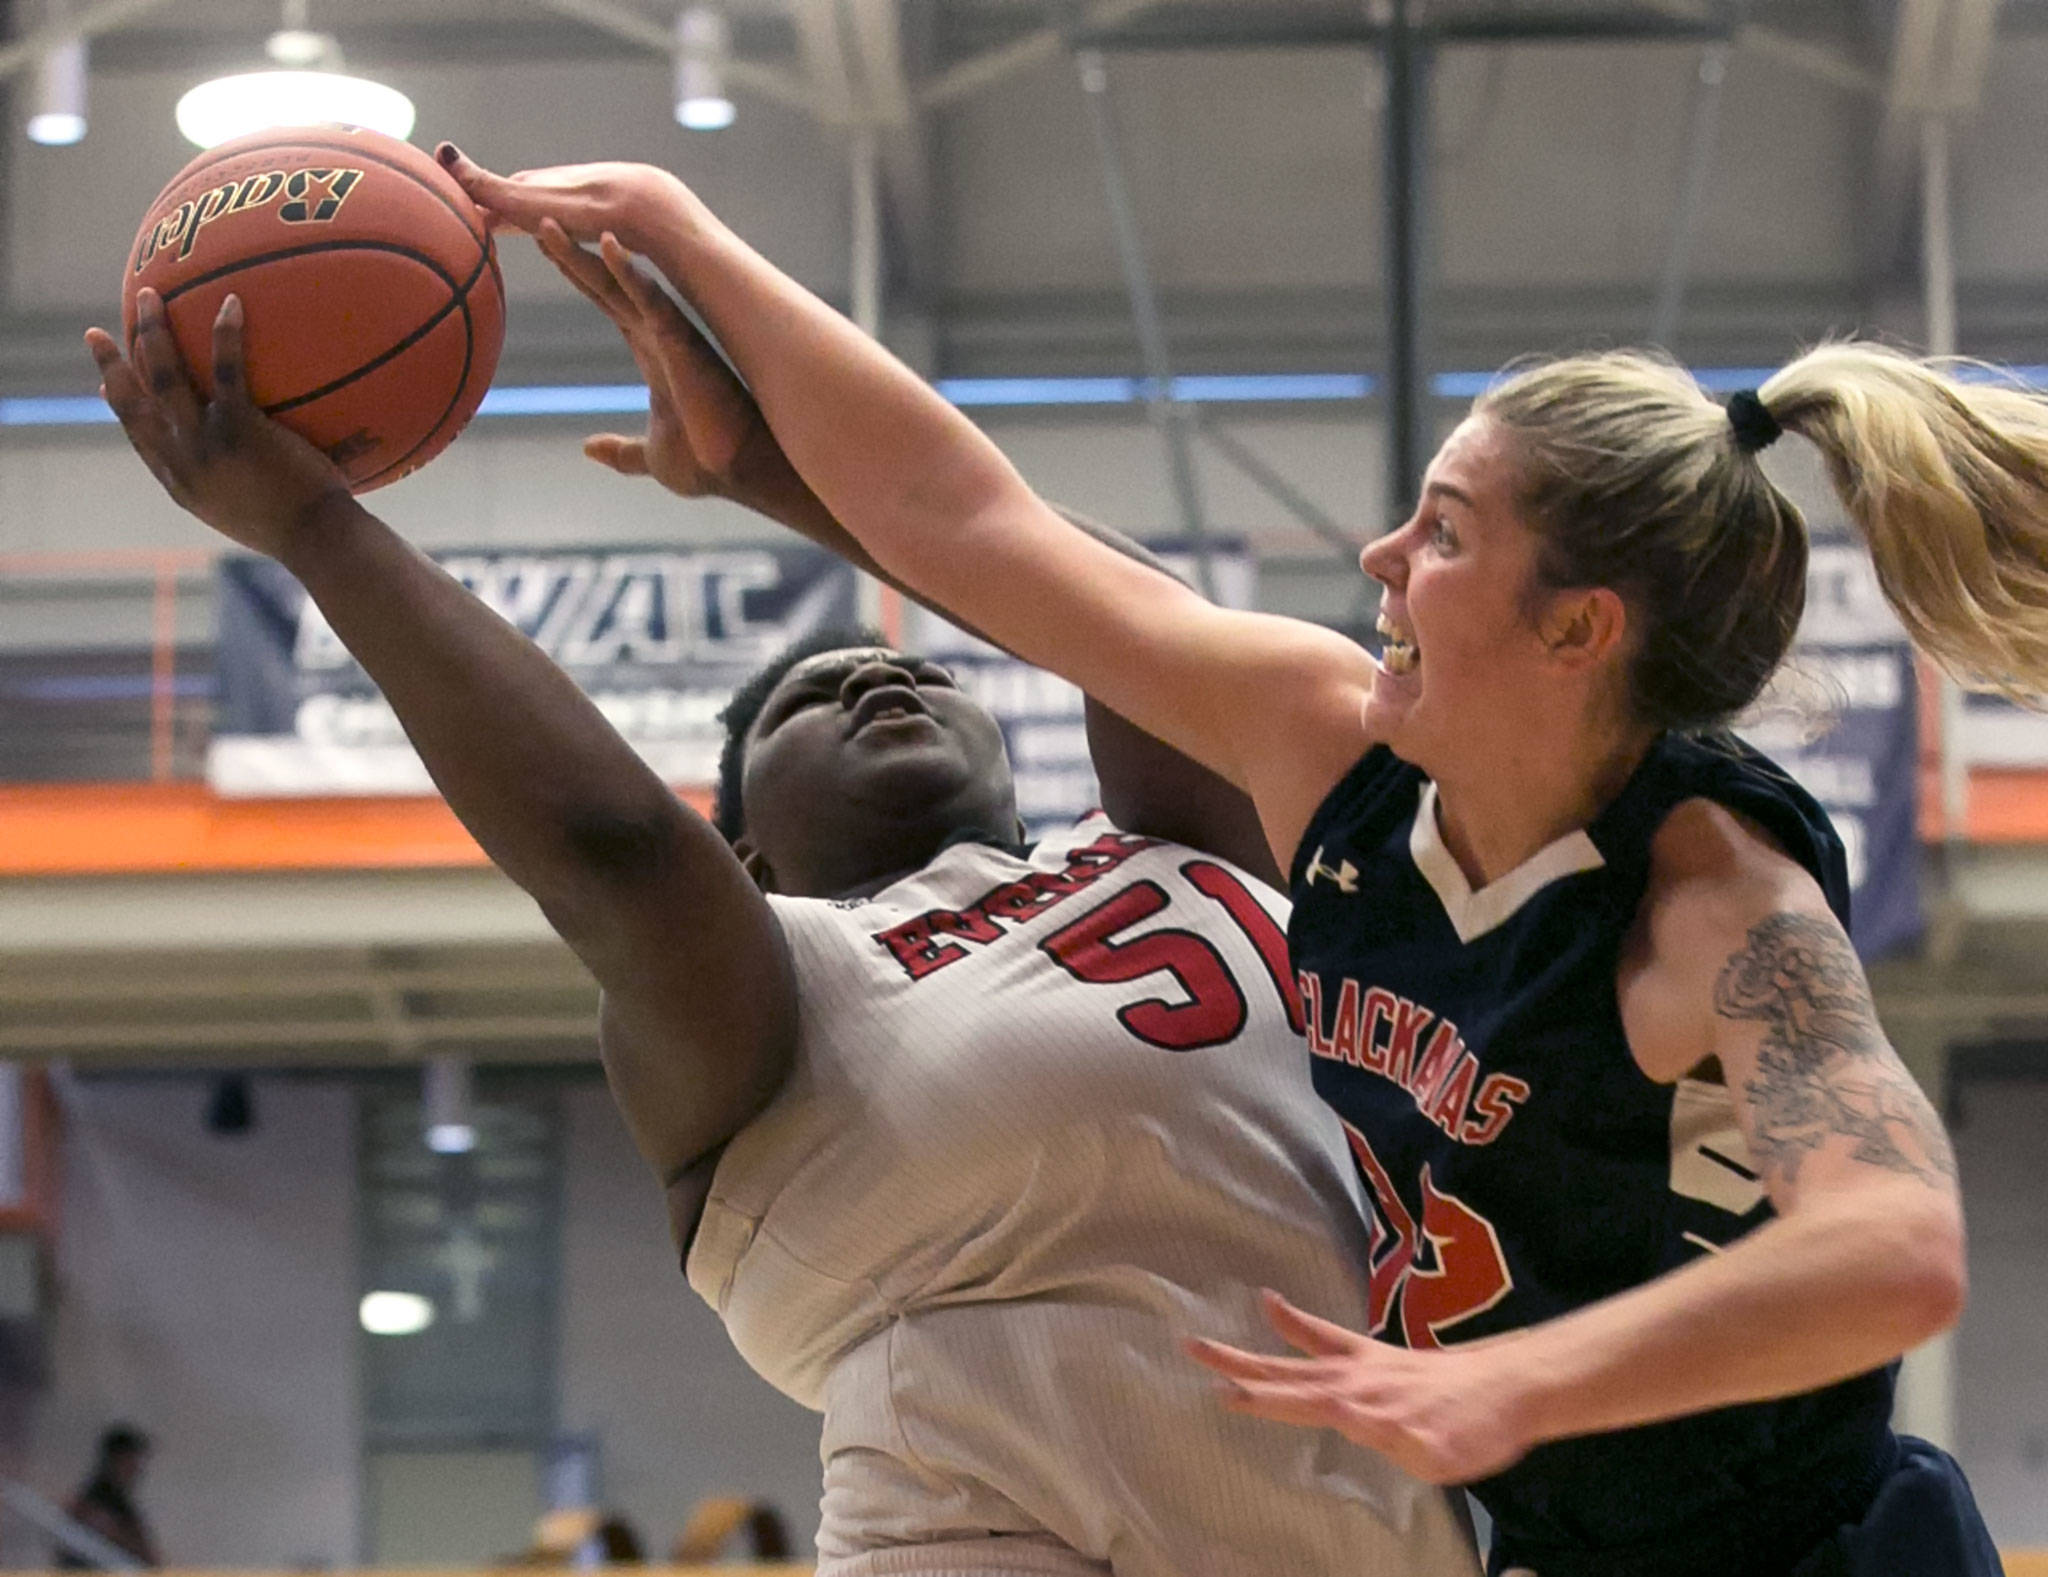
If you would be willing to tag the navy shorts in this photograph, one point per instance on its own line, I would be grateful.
(1923, 1523)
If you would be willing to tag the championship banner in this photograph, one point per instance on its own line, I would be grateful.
(1863, 765)
(1041, 714)
(657, 637)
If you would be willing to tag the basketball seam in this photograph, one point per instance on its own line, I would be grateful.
(477, 235)
(307, 250)
(457, 294)
(461, 383)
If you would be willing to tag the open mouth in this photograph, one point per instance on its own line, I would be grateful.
(887, 703)
(1397, 651)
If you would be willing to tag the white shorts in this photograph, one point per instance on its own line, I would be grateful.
(1001, 1556)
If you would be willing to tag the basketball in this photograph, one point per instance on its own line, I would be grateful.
(372, 298)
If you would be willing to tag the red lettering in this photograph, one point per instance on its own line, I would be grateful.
(1058, 884)
(1410, 1020)
(1017, 901)
(1470, 1275)
(1344, 1034)
(1392, 1249)
(1429, 1069)
(1106, 853)
(1250, 917)
(1312, 1008)
(1496, 1102)
(1215, 1009)
(1448, 1109)
(1379, 1008)
(970, 925)
(916, 949)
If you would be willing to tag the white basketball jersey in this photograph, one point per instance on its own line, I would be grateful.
(1049, 1115)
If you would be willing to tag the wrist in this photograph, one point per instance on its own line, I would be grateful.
(1536, 1397)
(681, 231)
(321, 532)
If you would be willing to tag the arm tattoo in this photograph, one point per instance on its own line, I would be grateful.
(1824, 1068)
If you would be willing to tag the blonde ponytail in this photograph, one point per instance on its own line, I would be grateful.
(1947, 480)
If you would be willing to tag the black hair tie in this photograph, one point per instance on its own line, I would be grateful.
(1755, 427)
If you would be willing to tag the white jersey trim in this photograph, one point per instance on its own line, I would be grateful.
(1472, 914)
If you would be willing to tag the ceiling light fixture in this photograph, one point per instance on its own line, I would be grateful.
(703, 46)
(395, 1313)
(450, 1119)
(308, 87)
(56, 104)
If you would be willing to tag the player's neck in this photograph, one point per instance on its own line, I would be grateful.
(1500, 813)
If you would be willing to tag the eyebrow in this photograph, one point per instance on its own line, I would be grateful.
(1446, 490)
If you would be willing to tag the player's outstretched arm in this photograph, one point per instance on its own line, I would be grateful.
(700, 1011)
(1273, 705)
(706, 437)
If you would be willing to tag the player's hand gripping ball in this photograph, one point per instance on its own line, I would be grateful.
(371, 290)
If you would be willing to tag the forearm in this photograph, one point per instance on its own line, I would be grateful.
(932, 503)
(527, 762)
(1804, 1301)
(889, 458)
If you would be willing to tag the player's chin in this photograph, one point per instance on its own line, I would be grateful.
(1389, 705)
(913, 766)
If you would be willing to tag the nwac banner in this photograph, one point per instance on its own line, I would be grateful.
(657, 637)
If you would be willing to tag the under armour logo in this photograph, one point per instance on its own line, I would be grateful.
(1344, 874)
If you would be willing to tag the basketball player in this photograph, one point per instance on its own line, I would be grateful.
(1656, 1205)
(958, 1135)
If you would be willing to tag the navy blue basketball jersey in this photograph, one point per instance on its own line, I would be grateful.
(1520, 1165)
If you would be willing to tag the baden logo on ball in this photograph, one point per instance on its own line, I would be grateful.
(375, 310)
(312, 196)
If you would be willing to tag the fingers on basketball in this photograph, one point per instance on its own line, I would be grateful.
(230, 388)
(161, 365)
(142, 419)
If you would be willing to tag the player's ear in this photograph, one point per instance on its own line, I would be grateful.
(754, 863)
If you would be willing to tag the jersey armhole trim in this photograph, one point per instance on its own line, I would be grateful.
(1354, 785)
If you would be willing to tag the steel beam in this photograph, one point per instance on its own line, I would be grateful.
(89, 21)
(636, 27)
(1033, 49)
(1167, 414)
(1405, 400)
(1939, 53)
(824, 56)
(878, 49)
(1249, 464)
(1692, 193)
(1802, 55)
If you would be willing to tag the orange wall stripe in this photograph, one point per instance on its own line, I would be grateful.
(88, 829)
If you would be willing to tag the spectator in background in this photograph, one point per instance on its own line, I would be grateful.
(619, 1543)
(106, 1501)
(715, 1521)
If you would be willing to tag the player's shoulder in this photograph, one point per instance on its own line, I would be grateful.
(1705, 853)
(1715, 875)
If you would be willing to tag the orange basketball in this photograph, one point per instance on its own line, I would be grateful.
(373, 305)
